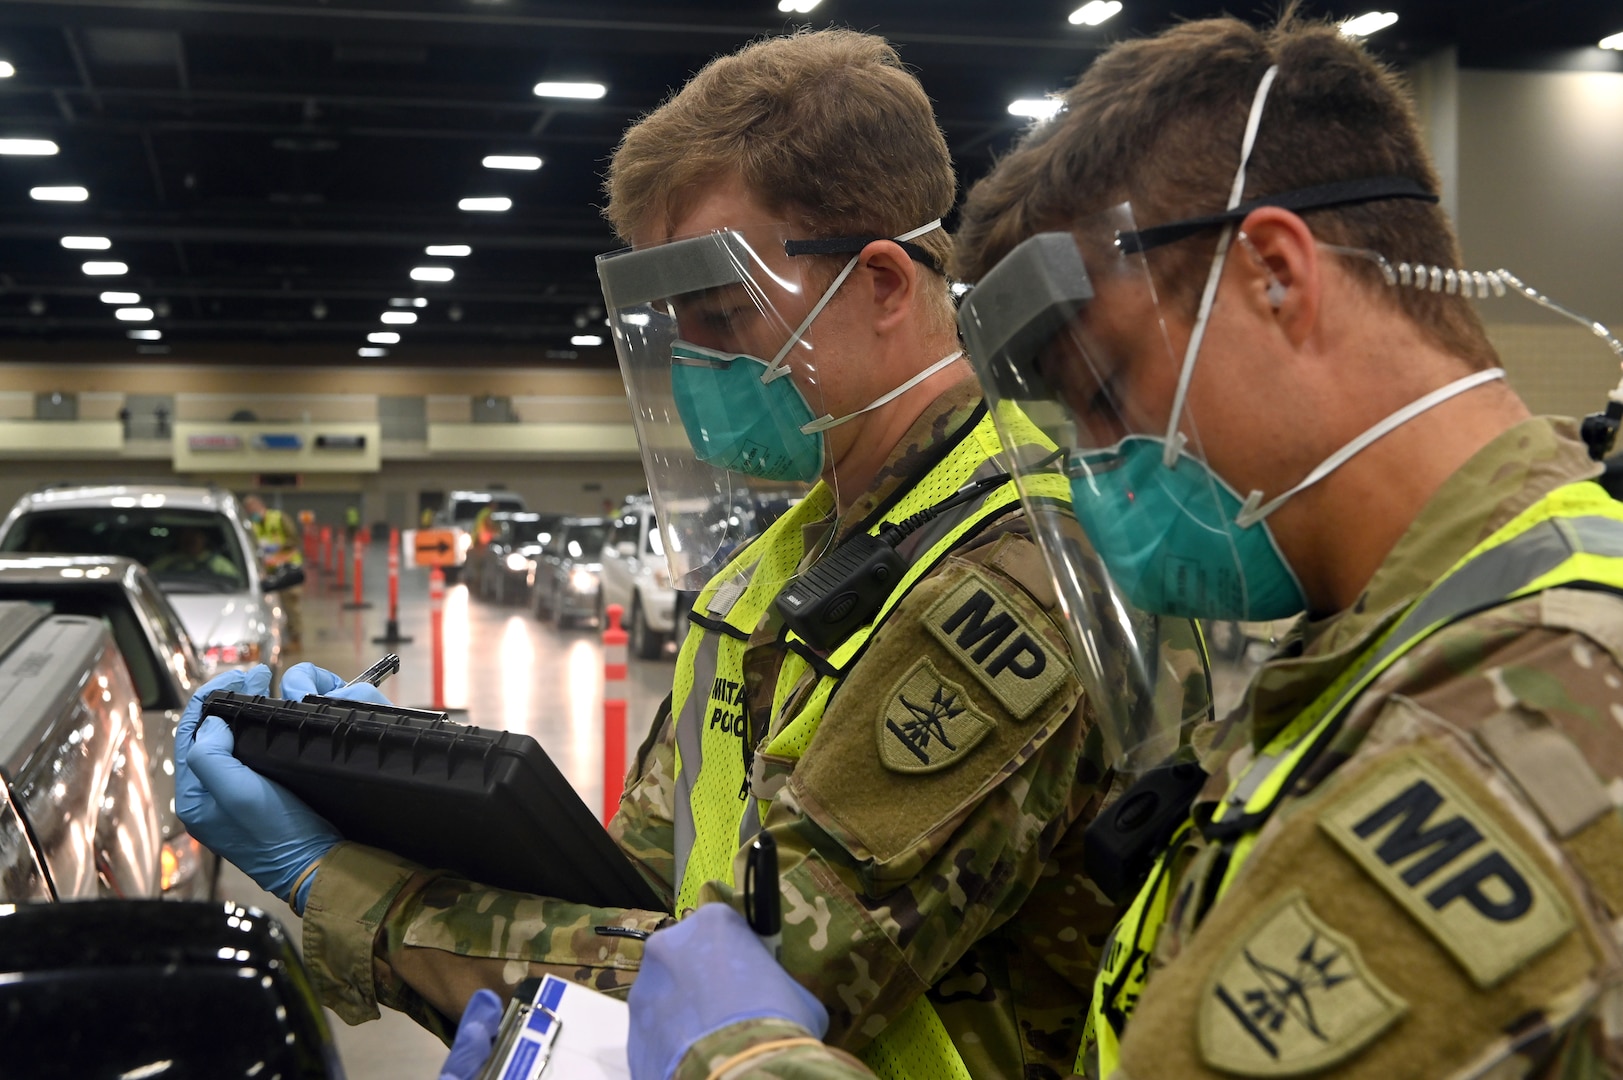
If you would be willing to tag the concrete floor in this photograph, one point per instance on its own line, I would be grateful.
(509, 671)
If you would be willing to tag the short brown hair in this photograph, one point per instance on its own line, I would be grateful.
(1159, 122)
(827, 126)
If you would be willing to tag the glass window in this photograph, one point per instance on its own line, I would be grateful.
(193, 551)
(110, 604)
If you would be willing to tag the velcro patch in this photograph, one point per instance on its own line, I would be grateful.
(1291, 996)
(999, 644)
(928, 722)
(1451, 865)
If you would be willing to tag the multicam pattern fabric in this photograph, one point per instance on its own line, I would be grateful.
(960, 884)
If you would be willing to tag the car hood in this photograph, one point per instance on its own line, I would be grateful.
(220, 618)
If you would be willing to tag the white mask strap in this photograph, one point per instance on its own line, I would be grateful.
(823, 423)
(777, 368)
(1174, 438)
(1255, 509)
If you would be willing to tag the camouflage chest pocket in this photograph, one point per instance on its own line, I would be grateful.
(959, 690)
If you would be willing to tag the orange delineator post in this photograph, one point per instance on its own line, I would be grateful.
(311, 543)
(359, 603)
(391, 630)
(614, 712)
(436, 633)
(324, 563)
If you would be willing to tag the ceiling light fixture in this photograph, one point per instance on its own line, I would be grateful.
(86, 243)
(432, 273)
(383, 337)
(6, 70)
(797, 7)
(133, 314)
(121, 298)
(419, 301)
(581, 91)
(28, 147)
(1036, 108)
(144, 335)
(519, 162)
(585, 339)
(1615, 41)
(1368, 23)
(399, 318)
(447, 251)
(105, 269)
(489, 204)
(1095, 12)
(363, 351)
(59, 194)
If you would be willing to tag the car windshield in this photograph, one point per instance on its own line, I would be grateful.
(110, 604)
(186, 550)
(585, 541)
(464, 511)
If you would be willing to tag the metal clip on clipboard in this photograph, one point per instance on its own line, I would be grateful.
(524, 1041)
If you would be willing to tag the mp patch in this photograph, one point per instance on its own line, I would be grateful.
(928, 722)
(1440, 855)
(998, 643)
(1290, 996)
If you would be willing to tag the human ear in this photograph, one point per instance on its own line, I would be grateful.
(893, 279)
(1280, 273)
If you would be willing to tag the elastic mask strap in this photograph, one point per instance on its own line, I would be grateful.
(1255, 509)
(823, 423)
(777, 368)
(1174, 438)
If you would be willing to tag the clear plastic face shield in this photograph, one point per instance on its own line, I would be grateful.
(718, 340)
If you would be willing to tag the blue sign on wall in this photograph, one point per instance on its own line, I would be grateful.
(279, 441)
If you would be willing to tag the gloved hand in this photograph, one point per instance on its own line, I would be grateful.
(302, 680)
(706, 972)
(475, 1036)
(253, 822)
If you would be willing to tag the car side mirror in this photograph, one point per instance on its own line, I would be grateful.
(626, 548)
(107, 988)
(283, 577)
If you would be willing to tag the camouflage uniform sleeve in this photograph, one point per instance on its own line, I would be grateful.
(802, 1061)
(948, 766)
(1439, 895)
(379, 929)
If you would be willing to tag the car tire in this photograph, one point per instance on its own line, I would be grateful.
(646, 644)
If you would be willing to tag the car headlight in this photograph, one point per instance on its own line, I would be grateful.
(464, 541)
(582, 580)
(242, 652)
(517, 563)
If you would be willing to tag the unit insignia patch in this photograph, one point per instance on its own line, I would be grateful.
(1437, 852)
(1291, 996)
(928, 722)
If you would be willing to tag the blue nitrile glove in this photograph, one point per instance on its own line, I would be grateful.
(255, 823)
(475, 1036)
(302, 680)
(706, 972)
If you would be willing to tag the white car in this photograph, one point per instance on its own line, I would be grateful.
(194, 542)
(460, 513)
(636, 577)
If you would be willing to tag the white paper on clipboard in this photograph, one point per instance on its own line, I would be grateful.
(592, 1032)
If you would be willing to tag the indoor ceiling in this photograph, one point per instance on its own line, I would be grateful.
(272, 172)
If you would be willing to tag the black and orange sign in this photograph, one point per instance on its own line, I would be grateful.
(436, 547)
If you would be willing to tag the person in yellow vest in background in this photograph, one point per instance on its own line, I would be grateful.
(1220, 274)
(881, 680)
(352, 522)
(279, 545)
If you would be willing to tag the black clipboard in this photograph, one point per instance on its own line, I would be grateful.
(489, 805)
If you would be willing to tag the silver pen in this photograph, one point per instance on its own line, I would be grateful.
(378, 672)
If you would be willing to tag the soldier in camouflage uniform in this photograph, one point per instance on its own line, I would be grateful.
(930, 833)
(1408, 857)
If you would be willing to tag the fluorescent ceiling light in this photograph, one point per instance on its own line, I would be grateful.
(105, 269)
(1615, 41)
(383, 337)
(797, 7)
(399, 318)
(521, 162)
(6, 70)
(490, 204)
(418, 301)
(59, 194)
(28, 147)
(86, 243)
(144, 335)
(1368, 23)
(584, 91)
(121, 298)
(432, 273)
(134, 314)
(585, 339)
(1035, 108)
(363, 351)
(448, 251)
(1095, 12)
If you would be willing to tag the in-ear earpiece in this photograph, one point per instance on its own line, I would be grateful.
(1276, 288)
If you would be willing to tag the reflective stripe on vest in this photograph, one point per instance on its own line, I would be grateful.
(713, 818)
(1572, 536)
